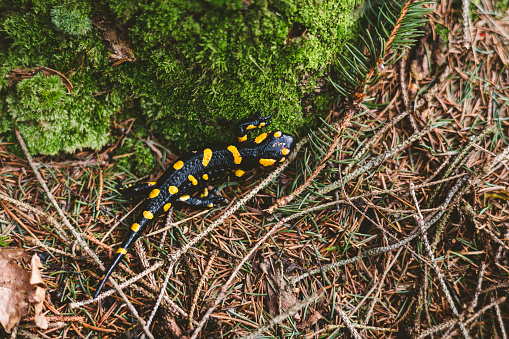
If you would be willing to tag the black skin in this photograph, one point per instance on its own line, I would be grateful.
(192, 173)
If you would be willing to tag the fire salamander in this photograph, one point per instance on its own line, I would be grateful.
(193, 172)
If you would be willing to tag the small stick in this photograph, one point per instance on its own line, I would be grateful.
(200, 286)
(420, 221)
(55, 204)
(500, 320)
(478, 289)
(159, 298)
(348, 323)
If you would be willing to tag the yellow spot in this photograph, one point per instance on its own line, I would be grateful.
(250, 127)
(121, 250)
(205, 193)
(285, 151)
(173, 190)
(167, 206)
(267, 162)
(211, 205)
(205, 176)
(184, 197)
(277, 134)
(236, 155)
(121, 188)
(260, 138)
(282, 159)
(239, 172)
(193, 180)
(154, 193)
(207, 155)
(178, 165)
(151, 183)
(148, 214)
(242, 139)
(135, 227)
(261, 124)
(129, 185)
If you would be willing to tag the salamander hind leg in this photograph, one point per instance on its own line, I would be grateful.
(208, 192)
(130, 191)
(209, 201)
(244, 126)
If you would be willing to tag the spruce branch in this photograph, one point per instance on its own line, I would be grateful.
(393, 29)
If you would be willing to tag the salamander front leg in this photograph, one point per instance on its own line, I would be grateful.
(244, 126)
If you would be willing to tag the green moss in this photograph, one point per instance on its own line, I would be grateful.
(198, 67)
(51, 120)
(502, 5)
(70, 21)
(138, 159)
(5, 240)
(443, 32)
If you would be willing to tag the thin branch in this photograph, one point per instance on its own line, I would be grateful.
(200, 287)
(58, 228)
(348, 323)
(159, 299)
(420, 221)
(374, 162)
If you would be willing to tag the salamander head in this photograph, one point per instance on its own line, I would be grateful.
(276, 146)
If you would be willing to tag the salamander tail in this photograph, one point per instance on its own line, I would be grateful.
(120, 255)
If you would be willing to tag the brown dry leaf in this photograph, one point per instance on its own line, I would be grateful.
(280, 295)
(313, 319)
(36, 297)
(19, 287)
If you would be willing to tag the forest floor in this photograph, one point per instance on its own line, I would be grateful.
(391, 222)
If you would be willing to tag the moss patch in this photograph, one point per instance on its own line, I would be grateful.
(136, 157)
(187, 70)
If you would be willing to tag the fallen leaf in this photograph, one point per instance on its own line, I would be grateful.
(37, 297)
(310, 321)
(280, 295)
(19, 288)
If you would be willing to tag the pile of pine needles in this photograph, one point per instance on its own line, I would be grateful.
(390, 221)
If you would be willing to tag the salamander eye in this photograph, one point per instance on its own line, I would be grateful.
(285, 151)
